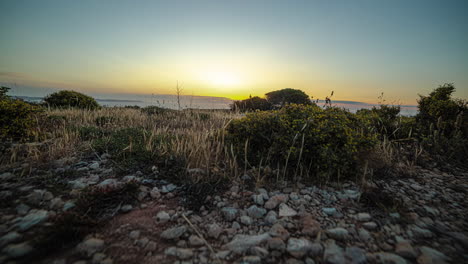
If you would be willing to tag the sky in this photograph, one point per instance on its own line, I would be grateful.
(358, 49)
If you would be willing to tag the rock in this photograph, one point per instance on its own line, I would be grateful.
(151, 246)
(274, 201)
(369, 225)
(162, 217)
(214, 230)
(242, 243)
(94, 165)
(91, 246)
(338, 233)
(432, 256)
(286, 211)
(35, 197)
(126, 208)
(404, 249)
(17, 250)
(246, 220)
(9, 238)
(271, 218)
(173, 233)
(421, 232)
(229, 213)
(108, 184)
(251, 260)
(256, 212)
(355, 255)
(416, 187)
(134, 234)
(68, 205)
(333, 254)
(6, 176)
(195, 241)
(98, 257)
(32, 219)
(364, 235)
(310, 226)
(154, 193)
(22, 209)
(180, 253)
(278, 230)
(298, 248)
(329, 211)
(168, 188)
(276, 243)
(77, 184)
(258, 199)
(388, 258)
(142, 242)
(259, 251)
(56, 203)
(363, 217)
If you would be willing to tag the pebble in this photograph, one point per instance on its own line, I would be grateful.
(286, 211)
(363, 217)
(329, 211)
(298, 248)
(180, 253)
(17, 250)
(246, 220)
(432, 256)
(91, 246)
(338, 233)
(162, 217)
(241, 243)
(32, 219)
(256, 212)
(173, 233)
(229, 213)
(333, 254)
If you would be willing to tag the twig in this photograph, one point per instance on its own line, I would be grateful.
(201, 236)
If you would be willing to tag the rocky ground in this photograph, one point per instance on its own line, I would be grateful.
(420, 219)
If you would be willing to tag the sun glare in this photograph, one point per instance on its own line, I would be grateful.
(221, 78)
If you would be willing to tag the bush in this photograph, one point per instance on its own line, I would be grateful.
(286, 96)
(385, 119)
(18, 119)
(155, 110)
(64, 99)
(299, 139)
(251, 104)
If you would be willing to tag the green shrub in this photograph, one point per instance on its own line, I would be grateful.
(18, 119)
(90, 133)
(155, 110)
(302, 139)
(251, 104)
(132, 147)
(65, 99)
(385, 119)
(286, 96)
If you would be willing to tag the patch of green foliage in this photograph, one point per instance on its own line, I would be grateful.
(18, 119)
(67, 99)
(304, 139)
(155, 110)
(251, 104)
(131, 147)
(91, 132)
(286, 96)
(385, 119)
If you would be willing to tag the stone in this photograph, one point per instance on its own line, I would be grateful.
(229, 213)
(276, 243)
(369, 225)
(180, 253)
(258, 199)
(338, 233)
(173, 233)
(259, 251)
(256, 212)
(333, 254)
(310, 226)
(251, 260)
(32, 219)
(6, 176)
(316, 250)
(22, 209)
(298, 248)
(246, 220)
(329, 211)
(278, 230)
(154, 193)
(214, 230)
(168, 188)
(94, 165)
(17, 250)
(151, 246)
(355, 255)
(98, 257)
(68, 205)
(35, 197)
(432, 256)
(416, 187)
(404, 249)
(271, 218)
(195, 241)
(142, 242)
(274, 201)
(134, 234)
(363, 217)
(91, 246)
(421, 232)
(162, 217)
(388, 258)
(364, 235)
(108, 184)
(56, 203)
(9, 238)
(286, 211)
(77, 184)
(241, 243)
(126, 208)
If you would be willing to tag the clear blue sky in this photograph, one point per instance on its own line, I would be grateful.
(235, 48)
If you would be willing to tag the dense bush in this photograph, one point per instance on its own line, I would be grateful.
(18, 119)
(251, 104)
(302, 139)
(155, 110)
(286, 96)
(65, 99)
(385, 119)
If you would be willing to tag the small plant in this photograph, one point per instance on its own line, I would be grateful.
(71, 99)
(251, 104)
